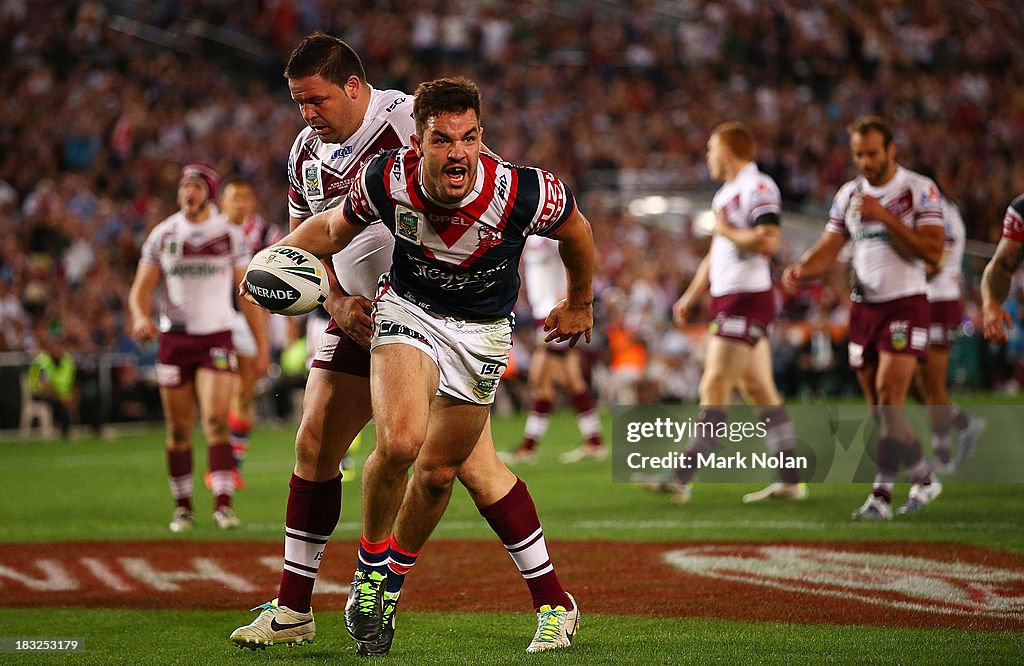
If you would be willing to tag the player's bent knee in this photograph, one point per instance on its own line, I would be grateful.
(180, 439)
(398, 453)
(437, 480)
(216, 428)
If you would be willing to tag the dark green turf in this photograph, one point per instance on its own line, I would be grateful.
(164, 637)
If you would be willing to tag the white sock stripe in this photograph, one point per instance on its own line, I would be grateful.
(533, 556)
(537, 574)
(222, 482)
(299, 534)
(780, 438)
(525, 547)
(181, 486)
(300, 572)
(302, 552)
(589, 424)
(516, 546)
(885, 480)
(919, 472)
(374, 563)
(536, 425)
(399, 568)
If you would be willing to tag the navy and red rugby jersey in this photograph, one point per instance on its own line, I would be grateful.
(459, 260)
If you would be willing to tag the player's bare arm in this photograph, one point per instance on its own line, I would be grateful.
(140, 300)
(762, 238)
(351, 313)
(324, 233)
(815, 262)
(698, 286)
(995, 287)
(573, 316)
(927, 242)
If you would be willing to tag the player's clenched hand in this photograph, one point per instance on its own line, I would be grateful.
(352, 314)
(722, 225)
(996, 322)
(872, 209)
(791, 278)
(569, 322)
(144, 328)
(681, 310)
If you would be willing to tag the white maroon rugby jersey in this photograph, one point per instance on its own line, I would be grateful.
(945, 285)
(321, 174)
(460, 260)
(544, 275)
(198, 262)
(1013, 221)
(881, 274)
(743, 199)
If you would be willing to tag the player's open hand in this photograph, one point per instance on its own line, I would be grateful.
(352, 314)
(243, 292)
(569, 322)
(996, 323)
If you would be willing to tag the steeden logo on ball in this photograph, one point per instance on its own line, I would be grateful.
(286, 280)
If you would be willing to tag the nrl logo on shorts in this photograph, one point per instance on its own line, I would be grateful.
(408, 227)
(221, 359)
(484, 388)
(898, 335)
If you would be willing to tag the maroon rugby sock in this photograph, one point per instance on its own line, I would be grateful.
(514, 519)
(312, 514)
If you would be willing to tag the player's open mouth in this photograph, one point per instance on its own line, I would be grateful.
(456, 175)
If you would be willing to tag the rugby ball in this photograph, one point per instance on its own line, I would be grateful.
(286, 280)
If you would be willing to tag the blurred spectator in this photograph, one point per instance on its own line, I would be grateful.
(82, 186)
(51, 379)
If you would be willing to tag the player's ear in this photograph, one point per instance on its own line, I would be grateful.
(352, 86)
(414, 141)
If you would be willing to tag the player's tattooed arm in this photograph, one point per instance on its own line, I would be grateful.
(995, 282)
(995, 287)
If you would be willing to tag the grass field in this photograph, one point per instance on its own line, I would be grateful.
(116, 490)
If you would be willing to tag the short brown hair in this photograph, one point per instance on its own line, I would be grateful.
(327, 56)
(448, 95)
(738, 138)
(865, 124)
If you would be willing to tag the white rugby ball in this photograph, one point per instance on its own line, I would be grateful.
(287, 280)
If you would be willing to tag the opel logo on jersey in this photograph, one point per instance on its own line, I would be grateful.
(454, 220)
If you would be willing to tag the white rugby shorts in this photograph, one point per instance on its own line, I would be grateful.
(242, 337)
(470, 356)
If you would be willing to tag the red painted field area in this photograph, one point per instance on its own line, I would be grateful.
(886, 584)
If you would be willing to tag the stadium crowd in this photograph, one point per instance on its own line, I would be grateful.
(104, 101)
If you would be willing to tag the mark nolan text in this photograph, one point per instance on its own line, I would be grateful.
(716, 461)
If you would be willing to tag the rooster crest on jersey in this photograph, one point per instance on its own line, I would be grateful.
(286, 280)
